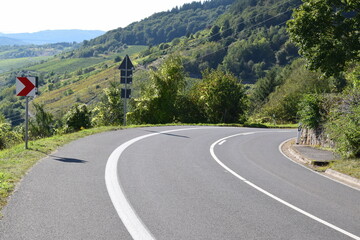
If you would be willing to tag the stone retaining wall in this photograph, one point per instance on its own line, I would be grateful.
(315, 137)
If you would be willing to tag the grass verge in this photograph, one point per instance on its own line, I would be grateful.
(349, 167)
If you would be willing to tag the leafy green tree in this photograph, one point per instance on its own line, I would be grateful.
(77, 118)
(311, 112)
(265, 86)
(327, 33)
(283, 103)
(226, 29)
(188, 108)
(109, 111)
(215, 34)
(158, 101)
(117, 59)
(287, 53)
(248, 59)
(42, 125)
(222, 97)
(209, 55)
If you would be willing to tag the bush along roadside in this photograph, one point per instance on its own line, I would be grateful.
(332, 121)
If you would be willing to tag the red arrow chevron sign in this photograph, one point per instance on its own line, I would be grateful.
(26, 86)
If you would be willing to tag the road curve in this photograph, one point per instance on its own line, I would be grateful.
(186, 194)
(178, 190)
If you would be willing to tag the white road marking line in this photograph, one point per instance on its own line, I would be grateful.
(271, 195)
(128, 216)
(132, 222)
(222, 142)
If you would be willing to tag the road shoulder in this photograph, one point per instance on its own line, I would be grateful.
(301, 156)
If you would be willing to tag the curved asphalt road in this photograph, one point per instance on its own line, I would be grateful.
(179, 191)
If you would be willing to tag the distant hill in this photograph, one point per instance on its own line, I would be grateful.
(49, 36)
(10, 41)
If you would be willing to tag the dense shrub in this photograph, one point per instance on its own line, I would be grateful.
(77, 118)
(42, 124)
(109, 111)
(311, 111)
(222, 97)
(283, 103)
(343, 125)
(8, 137)
(158, 101)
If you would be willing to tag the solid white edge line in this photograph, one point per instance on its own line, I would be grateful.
(271, 195)
(125, 211)
(128, 216)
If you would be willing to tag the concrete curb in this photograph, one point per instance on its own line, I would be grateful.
(298, 156)
(335, 175)
(343, 177)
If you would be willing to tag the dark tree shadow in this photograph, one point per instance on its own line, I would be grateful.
(168, 134)
(63, 159)
(68, 160)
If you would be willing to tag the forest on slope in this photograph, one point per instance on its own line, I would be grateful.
(165, 26)
(247, 40)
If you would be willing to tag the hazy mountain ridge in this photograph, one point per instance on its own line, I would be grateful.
(10, 41)
(49, 36)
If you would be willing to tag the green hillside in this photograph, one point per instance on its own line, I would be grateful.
(165, 26)
(7, 65)
(248, 40)
(78, 80)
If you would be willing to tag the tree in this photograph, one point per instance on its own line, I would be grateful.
(222, 97)
(109, 111)
(215, 34)
(42, 124)
(249, 59)
(158, 101)
(283, 103)
(77, 118)
(117, 59)
(265, 86)
(226, 30)
(311, 112)
(327, 33)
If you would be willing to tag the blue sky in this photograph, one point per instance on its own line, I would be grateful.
(17, 16)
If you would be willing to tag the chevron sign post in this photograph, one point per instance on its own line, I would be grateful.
(26, 87)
